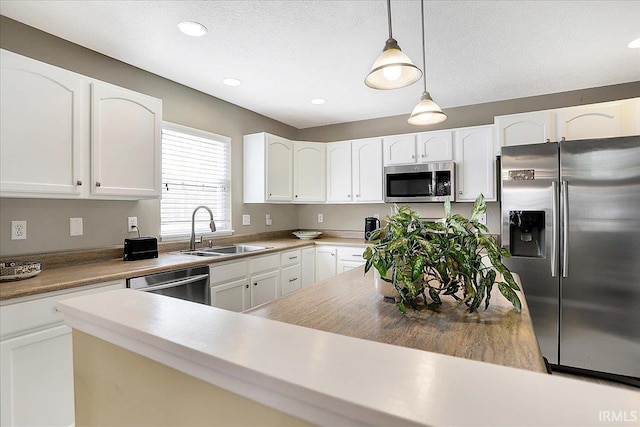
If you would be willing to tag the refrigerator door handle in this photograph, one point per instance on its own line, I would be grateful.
(565, 228)
(554, 230)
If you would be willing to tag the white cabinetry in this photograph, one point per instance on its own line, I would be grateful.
(290, 274)
(42, 131)
(602, 120)
(399, 149)
(230, 286)
(332, 260)
(268, 168)
(354, 171)
(264, 281)
(36, 361)
(126, 131)
(475, 163)
(308, 266)
(58, 142)
(436, 146)
(309, 172)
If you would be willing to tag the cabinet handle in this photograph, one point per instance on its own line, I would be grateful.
(332, 254)
(269, 194)
(460, 192)
(357, 195)
(296, 196)
(78, 182)
(348, 195)
(293, 257)
(548, 140)
(293, 280)
(255, 284)
(246, 286)
(413, 156)
(423, 156)
(98, 184)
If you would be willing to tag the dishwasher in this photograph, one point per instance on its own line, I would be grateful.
(190, 284)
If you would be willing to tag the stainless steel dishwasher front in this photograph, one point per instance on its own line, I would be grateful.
(190, 284)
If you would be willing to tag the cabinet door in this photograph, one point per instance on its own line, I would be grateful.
(367, 170)
(435, 146)
(42, 125)
(339, 175)
(325, 262)
(308, 267)
(234, 296)
(291, 280)
(126, 132)
(527, 128)
(475, 164)
(589, 121)
(37, 379)
(309, 172)
(279, 169)
(398, 150)
(264, 288)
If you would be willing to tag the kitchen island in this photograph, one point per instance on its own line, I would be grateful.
(350, 305)
(142, 358)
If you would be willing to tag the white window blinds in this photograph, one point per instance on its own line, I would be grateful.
(195, 171)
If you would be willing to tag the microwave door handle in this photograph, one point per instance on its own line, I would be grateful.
(554, 229)
(174, 283)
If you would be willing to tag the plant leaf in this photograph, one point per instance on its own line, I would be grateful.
(510, 295)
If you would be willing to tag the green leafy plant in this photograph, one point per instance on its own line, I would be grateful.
(426, 261)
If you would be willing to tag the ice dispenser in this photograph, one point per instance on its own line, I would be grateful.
(526, 230)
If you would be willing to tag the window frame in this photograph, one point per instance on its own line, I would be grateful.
(199, 133)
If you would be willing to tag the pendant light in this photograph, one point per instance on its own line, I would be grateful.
(427, 112)
(393, 69)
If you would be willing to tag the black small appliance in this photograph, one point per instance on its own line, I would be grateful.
(370, 225)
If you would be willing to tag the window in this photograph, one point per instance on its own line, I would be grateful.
(195, 171)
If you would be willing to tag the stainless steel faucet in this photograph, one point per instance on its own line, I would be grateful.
(212, 225)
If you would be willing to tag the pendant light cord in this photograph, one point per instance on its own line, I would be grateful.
(424, 48)
(389, 17)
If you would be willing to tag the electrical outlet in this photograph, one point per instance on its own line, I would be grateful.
(246, 219)
(75, 227)
(267, 219)
(320, 218)
(376, 216)
(482, 219)
(18, 230)
(132, 223)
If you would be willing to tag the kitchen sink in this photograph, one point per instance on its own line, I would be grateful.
(223, 250)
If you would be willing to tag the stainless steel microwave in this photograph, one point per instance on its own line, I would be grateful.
(425, 182)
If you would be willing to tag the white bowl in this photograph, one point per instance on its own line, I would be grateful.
(306, 235)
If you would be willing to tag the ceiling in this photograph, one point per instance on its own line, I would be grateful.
(289, 52)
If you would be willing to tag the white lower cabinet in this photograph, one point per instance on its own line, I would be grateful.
(291, 280)
(234, 295)
(308, 266)
(349, 258)
(36, 360)
(333, 260)
(264, 287)
(325, 262)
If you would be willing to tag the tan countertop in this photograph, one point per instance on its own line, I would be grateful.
(74, 275)
(348, 304)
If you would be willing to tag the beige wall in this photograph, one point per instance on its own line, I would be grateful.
(105, 222)
(116, 387)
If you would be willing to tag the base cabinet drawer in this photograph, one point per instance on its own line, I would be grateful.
(291, 279)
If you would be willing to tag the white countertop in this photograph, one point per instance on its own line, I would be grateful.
(330, 379)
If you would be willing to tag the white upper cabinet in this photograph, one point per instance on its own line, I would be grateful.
(126, 132)
(339, 175)
(475, 163)
(602, 120)
(367, 172)
(268, 168)
(526, 128)
(399, 150)
(42, 128)
(354, 171)
(309, 172)
(58, 141)
(436, 146)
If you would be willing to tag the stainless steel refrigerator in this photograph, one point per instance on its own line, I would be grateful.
(571, 221)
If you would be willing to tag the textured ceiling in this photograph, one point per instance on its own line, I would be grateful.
(288, 52)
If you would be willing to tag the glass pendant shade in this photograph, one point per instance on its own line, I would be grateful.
(393, 69)
(426, 112)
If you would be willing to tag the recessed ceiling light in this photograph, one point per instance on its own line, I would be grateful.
(318, 101)
(192, 28)
(634, 44)
(232, 82)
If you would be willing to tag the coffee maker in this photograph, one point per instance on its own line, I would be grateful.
(370, 225)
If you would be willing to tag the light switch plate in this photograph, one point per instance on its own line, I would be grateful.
(246, 219)
(320, 218)
(75, 227)
(18, 230)
(482, 219)
(267, 219)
